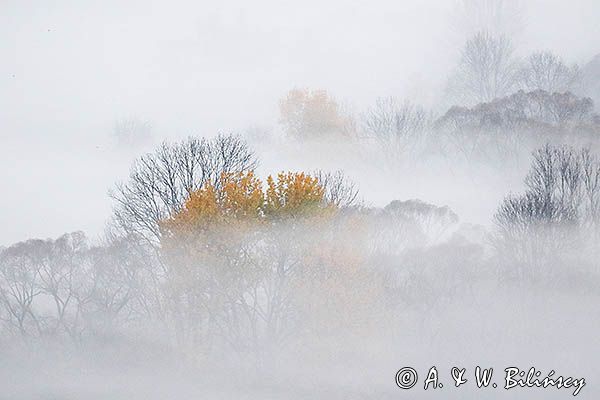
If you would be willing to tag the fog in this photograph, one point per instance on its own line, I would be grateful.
(70, 70)
(279, 199)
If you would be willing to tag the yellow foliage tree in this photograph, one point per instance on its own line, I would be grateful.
(294, 194)
(239, 197)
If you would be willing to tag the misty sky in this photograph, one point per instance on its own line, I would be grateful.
(69, 69)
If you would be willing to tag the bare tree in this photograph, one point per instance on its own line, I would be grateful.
(396, 126)
(548, 72)
(557, 214)
(40, 280)
(60, 278)
(113, 288)
(65, 288)
(339, 191)
(487, 70)
(160, 182)
(19, 288)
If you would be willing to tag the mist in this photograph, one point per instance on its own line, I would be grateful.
(297, 200)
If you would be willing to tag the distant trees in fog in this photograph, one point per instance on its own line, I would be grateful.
(487, 69)
(420, 252)
(546, 71)
(397, 126)
(506, 124)
(413, 223)
(313, 114)
(67, 287)
(501, 103)
(525, 110)
(558, 214)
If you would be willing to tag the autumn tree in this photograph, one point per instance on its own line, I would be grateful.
(160, 182)
(225, 277)
(241, 254)
(293, 194)
(207, 249)
(312, 114)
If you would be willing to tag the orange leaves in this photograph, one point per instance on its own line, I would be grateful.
(239, 198)
(293, 194)
(201, 209)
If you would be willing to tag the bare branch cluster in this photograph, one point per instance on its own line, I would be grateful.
(160, 182)
(557, 214)
(546, 71)
(487, 70)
